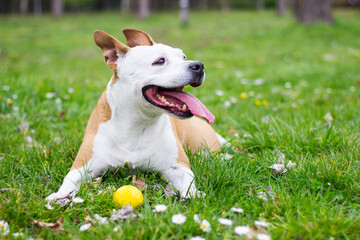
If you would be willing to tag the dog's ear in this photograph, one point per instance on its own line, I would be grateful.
(136, 37)
(110, 47)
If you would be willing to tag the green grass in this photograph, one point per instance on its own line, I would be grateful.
(307, 72)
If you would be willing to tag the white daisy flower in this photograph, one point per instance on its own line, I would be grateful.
(116, 229)
(196, 218)
(70, 90)
(85, 227)
(197, 238)
(261, 224)
(237, 210)
(48, 206)
(78, 200)
(18, 234)
(242, 230)
(225, 221)
(160, 208)
(58, 100)
(101, 220)
(262, 236)
(50, 95)
(227, 104)
(4, 228)
(205, 226)
(219, 93)
(178, 219)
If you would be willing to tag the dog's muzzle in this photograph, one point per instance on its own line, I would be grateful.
(197, 69)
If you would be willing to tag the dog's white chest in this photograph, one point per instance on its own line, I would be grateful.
(145, 147)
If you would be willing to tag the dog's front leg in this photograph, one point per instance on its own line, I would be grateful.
(182, 179)
(75, 178)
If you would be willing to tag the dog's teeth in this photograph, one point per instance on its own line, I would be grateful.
(184, 107)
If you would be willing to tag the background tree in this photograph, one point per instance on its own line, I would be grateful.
(225, 7)
(281, 7)
(259, 4)
(144, 9)
(37, 7)
(24, 6)
(57, 8)
(184, 11)
(309, 11)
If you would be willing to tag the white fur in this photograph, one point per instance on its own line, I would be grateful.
(138, 133)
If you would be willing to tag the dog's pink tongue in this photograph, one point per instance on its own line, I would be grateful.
(195, 106)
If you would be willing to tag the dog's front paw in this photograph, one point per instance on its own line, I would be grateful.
(60, 198)
(192, 193)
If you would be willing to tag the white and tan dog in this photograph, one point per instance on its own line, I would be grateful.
(128, 126)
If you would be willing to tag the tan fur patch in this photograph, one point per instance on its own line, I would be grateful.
(100, 114)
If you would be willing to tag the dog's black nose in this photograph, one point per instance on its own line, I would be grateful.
(197, 67)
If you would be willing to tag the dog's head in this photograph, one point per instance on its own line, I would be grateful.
(155, 74)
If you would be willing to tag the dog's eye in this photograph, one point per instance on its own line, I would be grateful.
(159, 61)
(184, 57)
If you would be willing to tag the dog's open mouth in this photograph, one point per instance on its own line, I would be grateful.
(177, 102)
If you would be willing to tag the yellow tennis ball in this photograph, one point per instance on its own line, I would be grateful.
(128, 195)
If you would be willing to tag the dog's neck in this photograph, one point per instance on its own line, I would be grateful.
(128, 114)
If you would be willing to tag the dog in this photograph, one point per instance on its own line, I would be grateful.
(144, 119)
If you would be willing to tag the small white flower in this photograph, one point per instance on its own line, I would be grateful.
(5, 88)
(219, 93)
(160, 208)
(205, 226)
(329, 184)
(48, 206)
(265, 119)
(4, 228)
(70, 90)
(288, 85)
(101, 220)
(328, 57)
(197, 238)
(18, 234)
(58, 100)
(225, 221)
(50, 95)
(239, 74)
(85, 227)
(116, 229)
(196, 218)
(244, 81)
(14, 96)
(233, 99)
(352, 89)
(78, 200)
(262, 236)
(237, 210)
(227, 104)
(178, 219)
(261, 224)
(242, 230)
(258, 81)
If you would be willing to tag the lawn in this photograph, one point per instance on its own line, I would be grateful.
(278, 90)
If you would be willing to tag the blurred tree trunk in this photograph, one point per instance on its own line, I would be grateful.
(259, 4)
(281, 7)
(203, 4)
(143, 9)
(125, 5)
(24, 6)
(225, 6)
(37, 8)
(184, 11)
(309, 11)
(57, 8)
